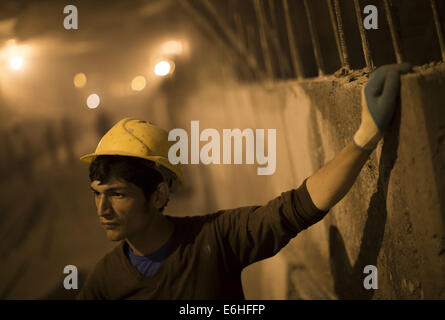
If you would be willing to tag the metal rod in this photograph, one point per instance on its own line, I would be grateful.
(296, 58)
(273, 14)
(250, 38)
(263, 39)
(438, 28)
(231, 36)
(236, 47)
(239, 27)
(273, 36)
(365, 43)
(240, 31)
(394, 34)
(334, 28)
(341, 34)
(315, 40)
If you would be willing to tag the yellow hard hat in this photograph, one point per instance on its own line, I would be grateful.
(140, 139)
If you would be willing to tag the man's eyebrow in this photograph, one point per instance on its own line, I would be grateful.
(112, 189)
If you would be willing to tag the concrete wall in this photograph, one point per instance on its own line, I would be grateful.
(392, 218)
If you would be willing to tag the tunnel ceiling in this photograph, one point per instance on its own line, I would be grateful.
(273, 39)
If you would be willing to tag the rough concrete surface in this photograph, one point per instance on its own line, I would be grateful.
(393, 216)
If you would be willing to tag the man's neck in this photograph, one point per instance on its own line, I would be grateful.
(156, 235)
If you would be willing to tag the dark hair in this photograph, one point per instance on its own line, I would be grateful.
(138, 171)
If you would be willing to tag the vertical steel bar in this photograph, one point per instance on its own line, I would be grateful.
(263, 39)
(315, 40)
(230, 49)
(239, 27)
(250, 38)
(393, 31)
(296, 58)
(239, 30)
(233, 40)
(438, 28)
(228, 32)
(341, 35)
(334, 28)
(275, 39)
(273, 14)
(365, 43)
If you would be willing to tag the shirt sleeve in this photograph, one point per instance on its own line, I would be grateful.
(250, 234)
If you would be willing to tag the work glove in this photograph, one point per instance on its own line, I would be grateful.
(378, 104)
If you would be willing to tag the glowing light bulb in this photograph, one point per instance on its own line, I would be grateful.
(138, 83)
(93, 101)
(163, 68)
(80, 80)
(16, 62)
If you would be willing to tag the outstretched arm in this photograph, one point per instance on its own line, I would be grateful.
(331, 183)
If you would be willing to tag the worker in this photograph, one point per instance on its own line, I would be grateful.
(201, 257)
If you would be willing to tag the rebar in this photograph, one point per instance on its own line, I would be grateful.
(263, 38)
(296, 58)
(334, 29)
(394, 34)
(315, 40)
(239, 27)
(438, 28)
(233, 39)
(365, 43)
(236, 46)
(273, 34)
(341, 35)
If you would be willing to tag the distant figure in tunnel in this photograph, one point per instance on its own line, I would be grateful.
(201, 257)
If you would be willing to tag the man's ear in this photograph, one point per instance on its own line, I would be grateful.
(161, 195)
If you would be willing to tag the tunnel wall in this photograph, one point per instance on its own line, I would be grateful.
(393, 216)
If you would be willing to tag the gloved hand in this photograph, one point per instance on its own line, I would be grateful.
(378, 104)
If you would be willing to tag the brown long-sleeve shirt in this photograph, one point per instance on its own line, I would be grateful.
(207, 253)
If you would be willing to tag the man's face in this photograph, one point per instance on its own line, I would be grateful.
(122, 207)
